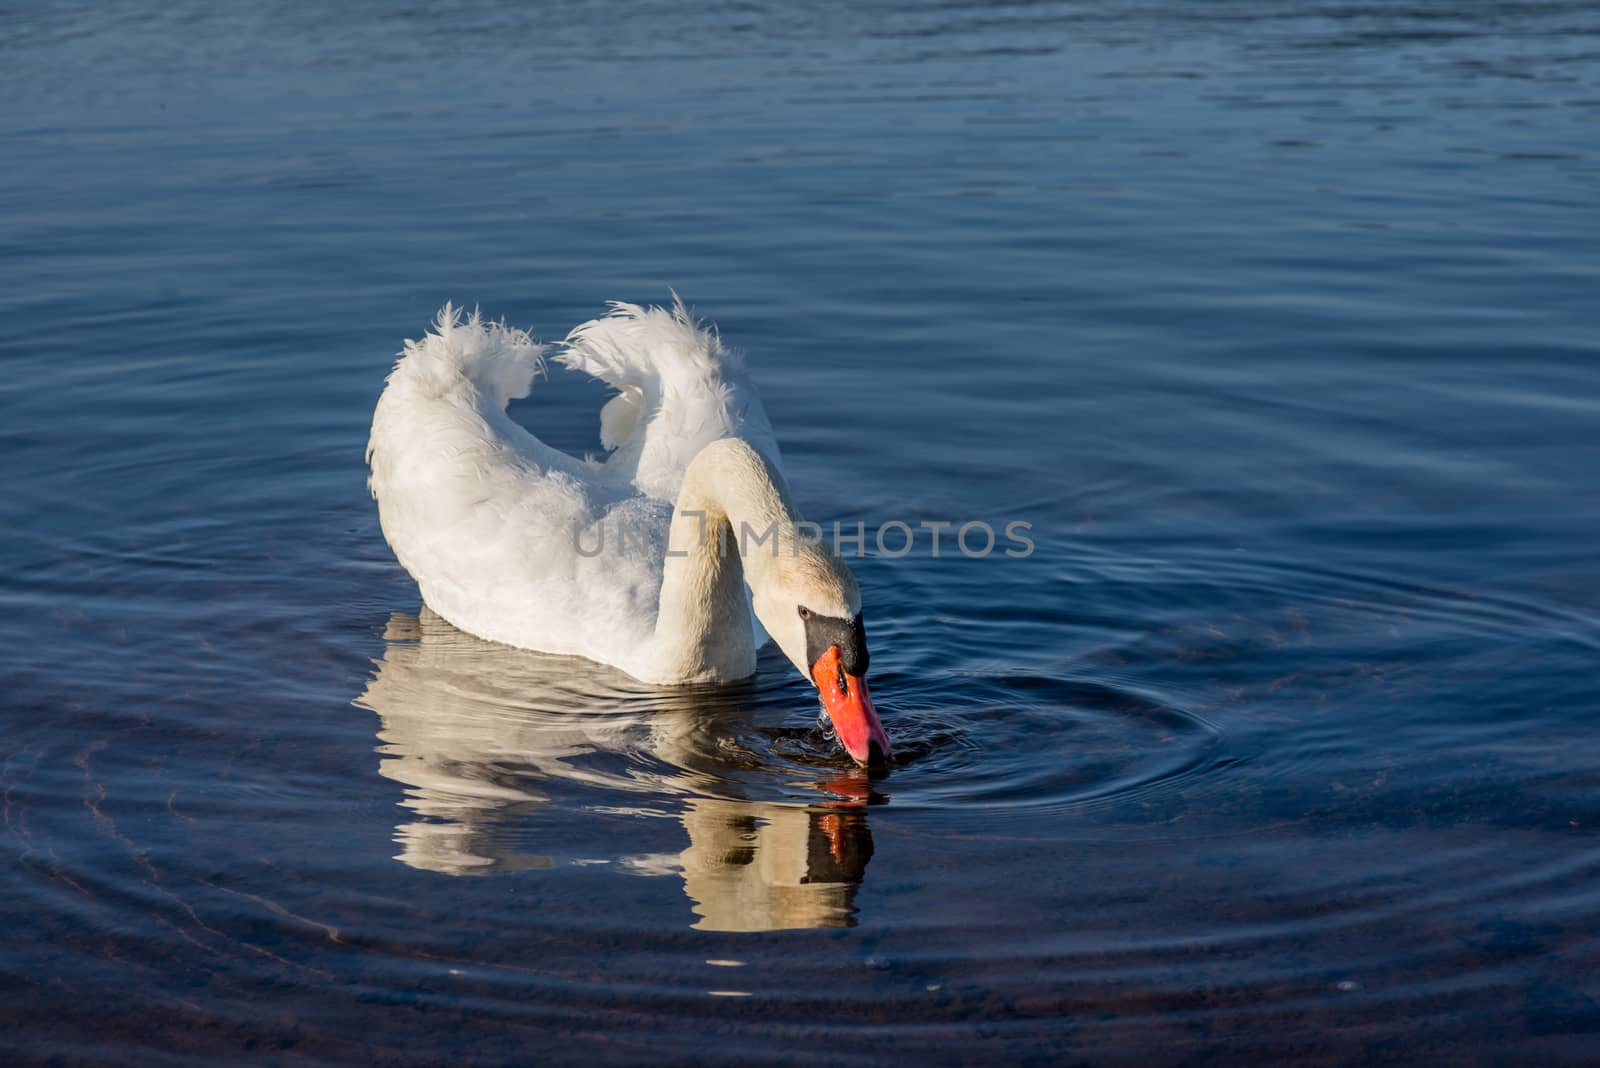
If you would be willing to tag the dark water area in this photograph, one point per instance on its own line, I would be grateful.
(1276, 321)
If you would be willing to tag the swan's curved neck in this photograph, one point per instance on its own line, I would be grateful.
(730, 496)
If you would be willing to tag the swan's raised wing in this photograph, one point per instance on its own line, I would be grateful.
(678, 390)
(508, 538)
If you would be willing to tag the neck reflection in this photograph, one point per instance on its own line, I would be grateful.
(481, 736)
(767, 867)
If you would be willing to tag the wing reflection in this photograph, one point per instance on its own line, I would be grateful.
(479, 733)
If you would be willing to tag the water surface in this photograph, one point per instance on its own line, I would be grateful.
(1276, 321)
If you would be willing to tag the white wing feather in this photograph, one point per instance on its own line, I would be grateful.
(489, 519)
(678, 390)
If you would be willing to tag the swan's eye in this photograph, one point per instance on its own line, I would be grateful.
(805, 613)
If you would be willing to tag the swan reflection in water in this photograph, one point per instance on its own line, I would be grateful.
(478, 732)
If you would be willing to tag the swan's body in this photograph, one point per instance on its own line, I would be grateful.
(517, 542)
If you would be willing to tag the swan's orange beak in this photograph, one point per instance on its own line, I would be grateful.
(855, 721)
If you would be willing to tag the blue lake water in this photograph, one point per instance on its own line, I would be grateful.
(1278, 322)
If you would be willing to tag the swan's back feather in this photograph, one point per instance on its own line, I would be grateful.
(488, 519)
(679, 389)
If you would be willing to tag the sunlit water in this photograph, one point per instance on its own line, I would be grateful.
(1276, 321)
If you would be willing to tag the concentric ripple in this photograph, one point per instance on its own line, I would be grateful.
(475, 730)
(1032, 742)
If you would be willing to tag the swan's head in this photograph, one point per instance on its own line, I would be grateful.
(812, 608)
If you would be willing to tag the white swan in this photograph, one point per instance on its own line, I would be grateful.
(634, 561)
